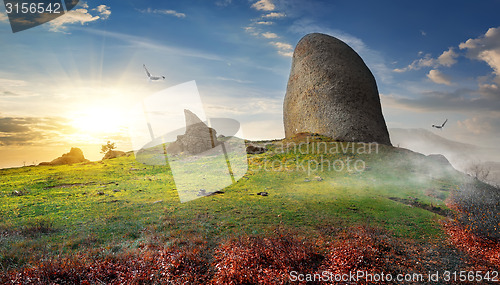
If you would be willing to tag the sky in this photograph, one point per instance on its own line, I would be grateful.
(72, 81)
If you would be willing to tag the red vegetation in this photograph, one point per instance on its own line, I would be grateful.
(478, 247)
(254, 260)
(146, 267)
(242, 260)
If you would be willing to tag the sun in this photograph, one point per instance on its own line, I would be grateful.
(99, 120)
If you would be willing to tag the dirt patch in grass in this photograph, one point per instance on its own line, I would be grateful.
(414, 202)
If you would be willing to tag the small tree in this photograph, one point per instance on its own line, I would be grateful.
(109, 146)
(479, 171)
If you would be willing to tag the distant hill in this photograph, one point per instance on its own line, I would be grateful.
(461, 155)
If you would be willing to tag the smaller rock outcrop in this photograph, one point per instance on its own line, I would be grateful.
(198, 137)
(113, 154)
(252, 149)
(75, 155)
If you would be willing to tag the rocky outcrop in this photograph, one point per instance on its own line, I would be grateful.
(113, 154)
(333, 93)
(75, 155)
(197, 138)
(252, 149)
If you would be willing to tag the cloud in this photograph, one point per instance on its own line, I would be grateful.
(81, 16)
(264, 23)
(447, 58)
(4, 17)
(282, 46)
(251, 30)
(491, 91)
(485, 48)
(284, 49)
(233, 79)
(263, 5)
(269, 35)
(4, 82)
(461, 100)
(437, 77)
(33, 130)
(104, 11)
(8, 93)
(476, 125)
(147, 43)
(274, 15)
(164, 12)
(426, 61)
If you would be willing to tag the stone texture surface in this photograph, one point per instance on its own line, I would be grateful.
(113, 154)
(197, 138)
(75, 155)
(332, 92)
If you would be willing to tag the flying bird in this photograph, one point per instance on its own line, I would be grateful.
(151, 77)
(440, 126)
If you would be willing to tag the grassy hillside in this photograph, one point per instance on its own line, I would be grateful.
(317, 195)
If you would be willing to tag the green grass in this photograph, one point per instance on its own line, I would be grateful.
(120, 203)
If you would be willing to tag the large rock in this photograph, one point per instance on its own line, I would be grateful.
(332, 92)
(75, 155)
(197, 138)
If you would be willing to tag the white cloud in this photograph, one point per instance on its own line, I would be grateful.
(251, 30)
(447, 58)
(274, 15)
(284, 49)
(475, 125)
(426, 61)
(492, 58)
(81, 16)
(437, 77)
(233, 79)
(104, 11)
(264, 23)
(286, 53)
(4, 82)
(3, 17)
(269, 35)
(164, 12)
(146, 43)
(485, 48)
(491, 91)
(263, 5)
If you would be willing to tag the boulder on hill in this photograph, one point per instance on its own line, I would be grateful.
(332, 92)
(197, 138)
(113, 154)
(75, 155)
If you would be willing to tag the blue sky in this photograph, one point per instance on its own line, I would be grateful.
(70, 82)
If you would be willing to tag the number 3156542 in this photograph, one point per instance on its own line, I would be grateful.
(33, 8)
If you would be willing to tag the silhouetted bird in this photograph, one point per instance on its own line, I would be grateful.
(151, 77)
(440, 126)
